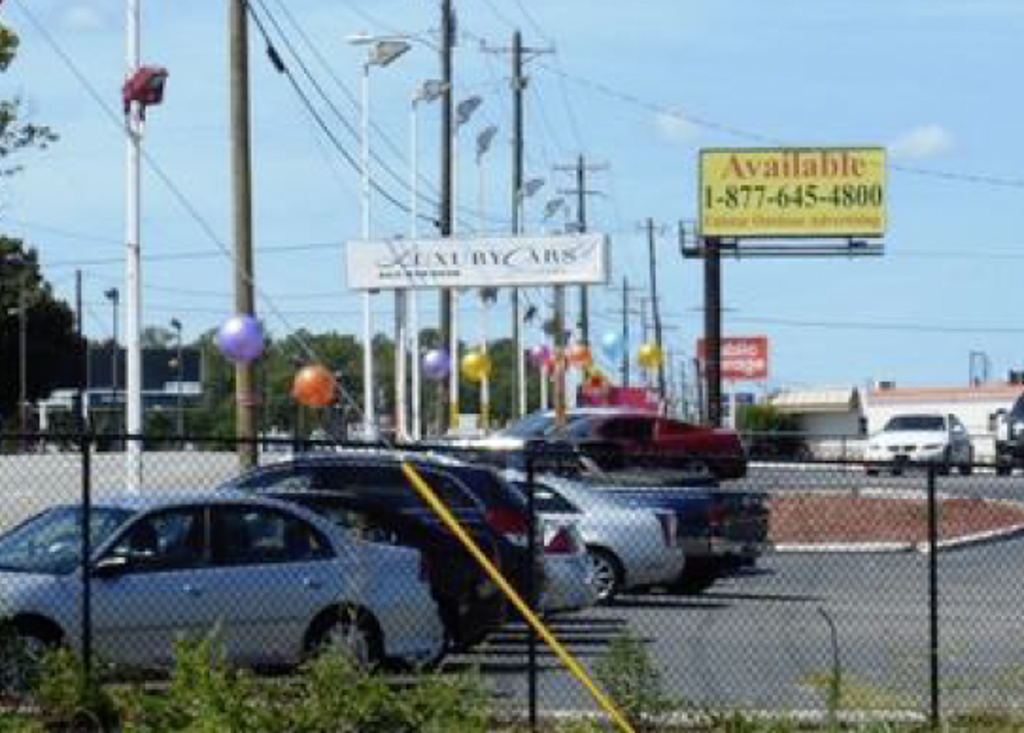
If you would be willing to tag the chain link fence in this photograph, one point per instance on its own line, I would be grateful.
(804, 587)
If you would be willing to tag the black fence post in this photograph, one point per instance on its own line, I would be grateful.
(531, 588)
(933, 597)
(85, 445)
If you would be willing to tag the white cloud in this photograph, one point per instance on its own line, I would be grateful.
(675, 128)
(927, 141)
(82, 18)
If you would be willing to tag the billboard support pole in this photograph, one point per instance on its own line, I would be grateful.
(713, 329)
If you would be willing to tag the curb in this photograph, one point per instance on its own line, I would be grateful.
(958, 543)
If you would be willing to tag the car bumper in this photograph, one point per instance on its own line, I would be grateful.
(569, 584)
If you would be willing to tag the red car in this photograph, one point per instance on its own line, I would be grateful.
(618, 437)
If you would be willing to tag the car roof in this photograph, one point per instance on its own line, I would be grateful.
(373, 453)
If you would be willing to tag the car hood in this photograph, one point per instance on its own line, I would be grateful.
(908, 437)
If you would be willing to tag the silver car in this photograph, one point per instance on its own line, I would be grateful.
(569, 580)
(275, 580)
(629, 547)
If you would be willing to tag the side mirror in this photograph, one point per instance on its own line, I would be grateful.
(110, 566)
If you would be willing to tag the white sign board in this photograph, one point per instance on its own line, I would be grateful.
(477, 262)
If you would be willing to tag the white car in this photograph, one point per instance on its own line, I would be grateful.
(276, 581)
(921, 438)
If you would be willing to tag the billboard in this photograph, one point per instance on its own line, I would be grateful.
(792, 192)
(477, 262)
(742, 357)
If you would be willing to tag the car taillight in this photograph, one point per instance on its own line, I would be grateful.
(669, 528)
(509, 522)
(561, 544)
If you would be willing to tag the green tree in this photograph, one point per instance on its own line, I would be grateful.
(15, 134)
(49, 330)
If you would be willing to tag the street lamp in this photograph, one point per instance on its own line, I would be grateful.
(381, 52)
(483, 143)
(526, 190)
(143, 88)
(463, 113)
(428, 91)
(114, 297)
(176, 325)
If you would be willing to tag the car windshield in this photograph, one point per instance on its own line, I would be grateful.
(916, 422)
(49, 543)
(531, 426)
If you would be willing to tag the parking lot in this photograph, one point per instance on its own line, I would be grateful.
(761, 638)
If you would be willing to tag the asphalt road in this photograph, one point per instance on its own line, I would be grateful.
(762, 640)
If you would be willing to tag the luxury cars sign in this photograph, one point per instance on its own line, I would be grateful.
(792, 192)
(477, 262)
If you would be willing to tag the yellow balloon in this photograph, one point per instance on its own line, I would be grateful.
(649, 355)
(475, 366)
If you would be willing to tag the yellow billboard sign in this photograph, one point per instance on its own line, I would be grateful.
(792, 192)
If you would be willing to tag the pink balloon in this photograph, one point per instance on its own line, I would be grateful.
(540, 355)
(240, 339)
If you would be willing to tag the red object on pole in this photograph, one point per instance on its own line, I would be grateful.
(145, 86)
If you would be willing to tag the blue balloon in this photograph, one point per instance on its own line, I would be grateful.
(612, 346)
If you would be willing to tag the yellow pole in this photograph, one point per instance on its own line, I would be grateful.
(428, 495)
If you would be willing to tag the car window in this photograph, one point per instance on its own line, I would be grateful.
(364, 524)
(283, 478)
(628, 428)
(546, 499)
(50, 542)
(165, 540)
(916, 422)
(531, 426)
(247, 535)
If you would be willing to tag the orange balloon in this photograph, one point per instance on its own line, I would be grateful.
(579, 355)
(314, 386)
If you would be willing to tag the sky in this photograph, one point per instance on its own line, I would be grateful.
(637, 88)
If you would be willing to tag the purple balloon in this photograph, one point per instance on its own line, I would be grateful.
(539, 354)
(240, 339)
(436, 364)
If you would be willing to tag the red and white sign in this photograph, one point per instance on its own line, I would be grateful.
(743, 357)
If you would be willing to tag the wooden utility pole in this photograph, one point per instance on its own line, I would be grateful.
(241, 174)
(445, 213)
(518, 85)
(655, 306)
(580, 169)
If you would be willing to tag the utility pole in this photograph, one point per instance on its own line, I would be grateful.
(241, 170)
(445, 213)
(655, 306)
(518, 85)
(625, 331)
(580, 169)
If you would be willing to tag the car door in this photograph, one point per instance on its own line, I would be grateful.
(146, 590)
(270, 573)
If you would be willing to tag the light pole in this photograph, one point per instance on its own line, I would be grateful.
(176, 325)
(429, 91)
(143, 87)
(526, 190)
(551, 208)
(380, 52)
(483, 144)
(463, 112)
(115, 298)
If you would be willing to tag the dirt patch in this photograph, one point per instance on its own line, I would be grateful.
(822, 518)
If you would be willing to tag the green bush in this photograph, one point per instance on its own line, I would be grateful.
(630, 678)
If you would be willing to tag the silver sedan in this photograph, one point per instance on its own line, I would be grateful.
(276, 581)
(629, 547)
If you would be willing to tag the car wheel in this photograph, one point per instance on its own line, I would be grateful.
(1003, 469)
(351, 631)
(607, 573)
(870, 471)
(22, 649)
(967, 468)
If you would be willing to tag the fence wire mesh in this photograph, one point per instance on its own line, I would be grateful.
(799, 587)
